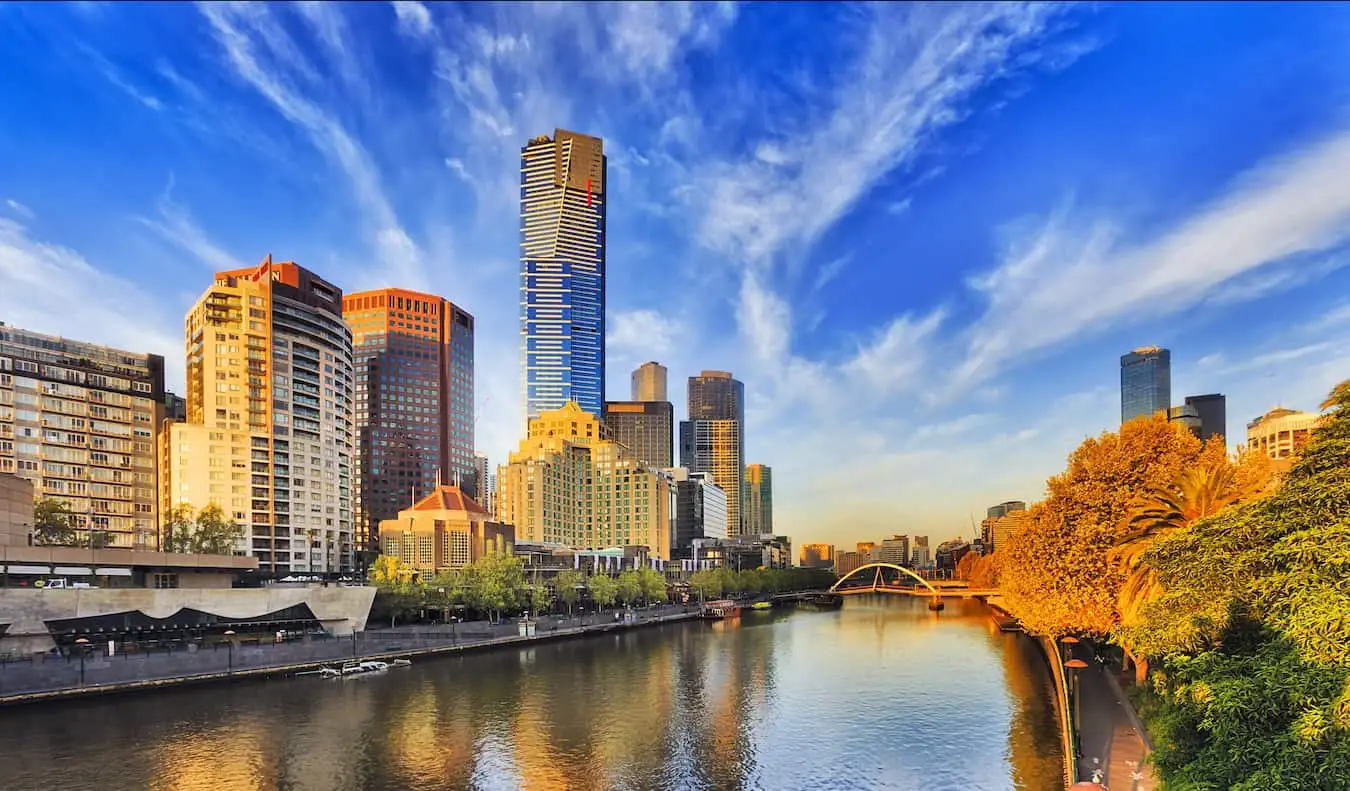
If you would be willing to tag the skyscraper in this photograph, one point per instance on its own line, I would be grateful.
(713, 438)
(700, 509)
(270, 434)
(1213, 412)
(649, 382)
(414, 400)
(758, 500)
(1145, 382)
(646, 428)
(81, 421)
(562, 273)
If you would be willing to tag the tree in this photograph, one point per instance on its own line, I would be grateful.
(652, 585)
(630, 587)
(986, 571)
(706, 583)
(214, 534)
(389, 573)
(496, 583)
(1056, 577)
(178, 529)
(966, 565)
(604, 590)
(53, 523)
(568, 584)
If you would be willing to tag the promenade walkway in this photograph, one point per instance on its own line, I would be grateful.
(1111, 741)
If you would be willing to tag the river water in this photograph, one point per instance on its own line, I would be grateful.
(879, 695)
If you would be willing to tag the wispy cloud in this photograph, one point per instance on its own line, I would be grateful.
(830, 270)
(176, 225)
(641, 333)
(19, 209)
(1062, 282)
(115, 76)
(235, 29)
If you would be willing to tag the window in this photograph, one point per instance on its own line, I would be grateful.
(165, 581)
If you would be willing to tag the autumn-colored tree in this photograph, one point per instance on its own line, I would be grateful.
(1056, 574)
(966, 565)
(987, 570)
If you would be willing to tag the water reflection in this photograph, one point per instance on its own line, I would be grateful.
(882, 694)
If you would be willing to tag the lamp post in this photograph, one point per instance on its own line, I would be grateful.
(1074, 666)
(83, 644)
(229, 634)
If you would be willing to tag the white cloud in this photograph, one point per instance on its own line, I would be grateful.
(898, 358)
(642, 333)
(456, 166)
(830, 270)
(413, 18)
(39, 282)
(20, 209)
(1061, 284)
(176, 225)
(899, 207)
(114, 75)
(235, 28)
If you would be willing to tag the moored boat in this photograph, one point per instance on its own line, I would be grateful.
(722, 608)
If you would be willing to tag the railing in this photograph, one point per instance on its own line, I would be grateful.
(1052, 656)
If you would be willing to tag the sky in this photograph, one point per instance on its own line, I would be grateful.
(922, 235)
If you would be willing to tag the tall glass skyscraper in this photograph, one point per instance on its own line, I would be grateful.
(1145, 382)
(562, 273)
(712, 440)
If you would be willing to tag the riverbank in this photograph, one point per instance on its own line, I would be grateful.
(242, 664)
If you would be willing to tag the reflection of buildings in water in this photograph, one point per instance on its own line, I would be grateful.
(241, 753)
(428, 739)
(1033, 732)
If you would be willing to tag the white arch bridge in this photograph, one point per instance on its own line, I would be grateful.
(880, 584)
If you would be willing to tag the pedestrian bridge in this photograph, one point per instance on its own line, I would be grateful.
(894, 578)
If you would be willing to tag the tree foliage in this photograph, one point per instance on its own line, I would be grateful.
(604, 590)
(568, 584)
(53, 523)
(707, 583)
(630, 587)
(209, 532)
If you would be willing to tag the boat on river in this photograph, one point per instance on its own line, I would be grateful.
(761, 606)
(722, 608)
(360, 668)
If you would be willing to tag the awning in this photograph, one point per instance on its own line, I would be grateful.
(30, 569)
(74, 571)
(112, 572)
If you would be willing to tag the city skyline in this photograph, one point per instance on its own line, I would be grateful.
(808, 245)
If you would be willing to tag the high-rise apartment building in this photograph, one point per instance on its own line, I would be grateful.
(1145, 382)
(700, 509)
(894, 550)
(569, 484)
(816, 556)
(921, 556)
(270, 432)
(758, 500)
(649, 382)
(563, 203)
(848, 561)
(713, 438)
(644, 427)
(81, 421)
(484, 481)
(413, 356)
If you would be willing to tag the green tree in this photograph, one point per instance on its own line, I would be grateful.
(568, 584)
(496, 583)
(389, 573)
(178, 527)
(652, 585)
(53, 523)
(706, 583)
(604, 590)
(214, 534)
(630, 587)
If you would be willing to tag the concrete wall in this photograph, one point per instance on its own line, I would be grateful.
(341, 610)
(16, 510)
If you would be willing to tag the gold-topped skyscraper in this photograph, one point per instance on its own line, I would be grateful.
(562, 272)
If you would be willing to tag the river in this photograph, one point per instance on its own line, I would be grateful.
(881, 694)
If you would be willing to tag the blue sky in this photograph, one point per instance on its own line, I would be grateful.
(921, 235)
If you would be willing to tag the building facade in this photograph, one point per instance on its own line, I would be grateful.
(1281, 434)
(568, 483)
(270, 433)
(649, 382)
(446, 529)
(563, 205)
(81, 421)
(646, 428)
(700, 509)
(1212, 411)
(1145, 382)
(758, 500)
(413, 357)
(848, 561)
(714, 447)
(893, 550)
(816, 556)
(921, 556)
(1000, 522)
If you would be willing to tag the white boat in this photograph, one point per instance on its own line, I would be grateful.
(354, 669)
(402, 663)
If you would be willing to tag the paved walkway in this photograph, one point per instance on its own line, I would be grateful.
(1111, 750)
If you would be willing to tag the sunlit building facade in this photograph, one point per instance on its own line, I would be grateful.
(446, 529)
(270, 431)
(758, 500)
(413, 356)
(649, 382)
(713, 438)
(1145, 382)
(1282, 434)
(563, 202)
(81, 422)
(816, 556)
(700, 509)
(568, 483)
(647, 428)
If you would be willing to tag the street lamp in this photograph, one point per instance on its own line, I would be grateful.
(1068, 641)
(1075, 665)
(82, 643)
(229, 633)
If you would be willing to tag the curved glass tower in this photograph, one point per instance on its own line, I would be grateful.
(562, 273)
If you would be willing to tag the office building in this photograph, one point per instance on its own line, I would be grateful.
(81, 421)
(1212, 411)
(1281, 434)
(743, 553)
(848, 561)
(816, 556)
(700, 509)
(175, 408)
(446, 529)
(413, 357)
(484, 481)
(949, 553)
(646, 428)
(713, 438)
(1000, 522)
(894, 550)
(568, 483)
(649, 382)
(758, 500)
(921, 557)
(1145, 382)
(867, 550)
(563, 204)
(270, 434)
